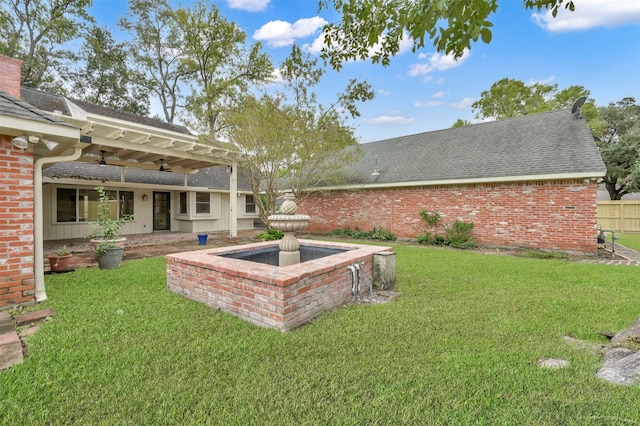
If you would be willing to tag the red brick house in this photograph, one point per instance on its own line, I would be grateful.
(524, 182)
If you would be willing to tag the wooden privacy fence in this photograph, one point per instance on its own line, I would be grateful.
(619, 216)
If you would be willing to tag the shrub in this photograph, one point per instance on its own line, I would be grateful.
(378, 233)
(459, 235)
(271, 234)
(424, 238)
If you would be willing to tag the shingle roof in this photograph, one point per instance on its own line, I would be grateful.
(51, 102)
(552, 143)
(211, 177)
(12, 107)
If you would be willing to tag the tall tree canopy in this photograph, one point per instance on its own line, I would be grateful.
(157, 51)
(222, 68)
(35, 31)
(103, 76)
(617, 133)
(290, 140)
(375, 28)
(513, 98)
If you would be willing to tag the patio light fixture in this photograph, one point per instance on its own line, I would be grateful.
(20, 142)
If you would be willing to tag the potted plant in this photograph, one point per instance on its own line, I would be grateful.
(109, 245)
(59, 261)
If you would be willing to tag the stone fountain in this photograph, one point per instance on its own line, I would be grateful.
(289, 222)
(280, 285)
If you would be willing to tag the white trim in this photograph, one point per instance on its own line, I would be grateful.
(505, 179)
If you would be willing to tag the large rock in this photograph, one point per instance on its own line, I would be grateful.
(621, 367)
(622, 359)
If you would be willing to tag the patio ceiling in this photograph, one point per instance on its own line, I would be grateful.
(130, 144)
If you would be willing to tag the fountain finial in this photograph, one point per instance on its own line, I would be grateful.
(289, 222)
(289, 205)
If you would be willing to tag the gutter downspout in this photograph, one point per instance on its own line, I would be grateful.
(38, 225)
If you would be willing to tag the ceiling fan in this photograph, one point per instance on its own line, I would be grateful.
(163, 168)
(102, 162)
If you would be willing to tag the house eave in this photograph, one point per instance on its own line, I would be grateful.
(593, 175)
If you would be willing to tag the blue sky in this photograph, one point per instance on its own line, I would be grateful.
(597, 46)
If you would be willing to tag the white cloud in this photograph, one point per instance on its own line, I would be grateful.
(316, 46)
(388, 119)
(282, 33)
(437, 62)
(383, 92)
(427, 104)
(440, 94)
(465, 103)
(590, 14)
(249, 5)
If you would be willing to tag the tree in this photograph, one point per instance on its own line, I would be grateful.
(221, 67)
(290, 140)
(35, 32)
(460, 122)
(157, 51)
(617, 135)
(374, 28)
(104, 78)
(509, 98)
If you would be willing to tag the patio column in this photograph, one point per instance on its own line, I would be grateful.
(233, 200)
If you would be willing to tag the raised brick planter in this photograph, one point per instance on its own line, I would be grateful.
(266, 295)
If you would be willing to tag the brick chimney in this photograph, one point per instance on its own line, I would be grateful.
(10, 75)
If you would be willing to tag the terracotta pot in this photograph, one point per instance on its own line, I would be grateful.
(59, 263)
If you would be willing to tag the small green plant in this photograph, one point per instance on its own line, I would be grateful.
(271, 234)
(432, 219)
(62, 251)
(106, 228)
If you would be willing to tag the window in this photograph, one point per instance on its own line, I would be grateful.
(249, 204)
(203, 203)
(81, 205)
(183, 203)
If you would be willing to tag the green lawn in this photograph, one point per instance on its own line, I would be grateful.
(459, 346)
(630, 240)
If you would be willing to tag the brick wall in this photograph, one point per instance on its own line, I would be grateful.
(17, 285)
(550, 215)
(269, 296)
(10, 75)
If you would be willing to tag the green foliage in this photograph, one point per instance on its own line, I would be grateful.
(221, 67)
(463, 321)
(617, 134)
(37, 33)
(62, 251)
(378, 233)
(106, 228)
(381, 25)
(156, 51)
(432, 219)
(292, 140)
(104, 76)
(509, 98)
(458, 235)
(271, 234)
